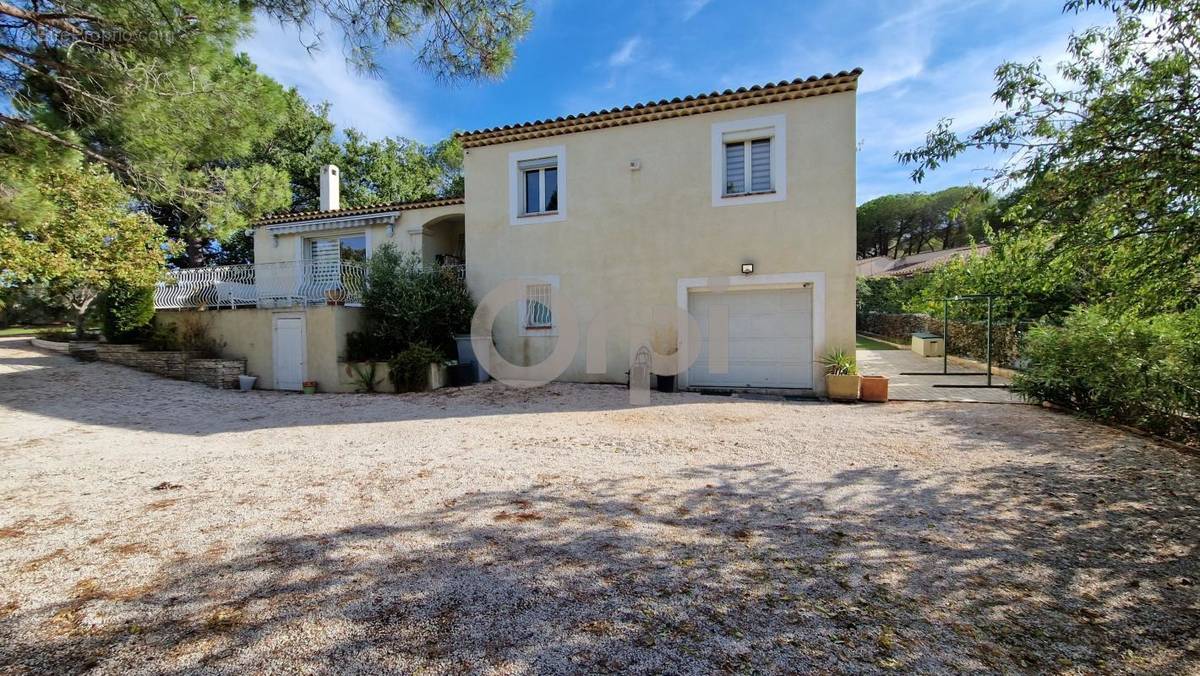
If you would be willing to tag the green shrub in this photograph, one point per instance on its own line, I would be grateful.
(161, 337)
(127, 312)
(364, 377)
(366, 346)
(194, 338)
(63, 335)
(883, 294)
(1143, 372)
(406, 304)
(409, 369)
(840, 363)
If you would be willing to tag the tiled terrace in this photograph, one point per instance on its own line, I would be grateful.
(894, 363)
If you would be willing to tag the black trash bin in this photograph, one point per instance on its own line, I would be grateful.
(460, 375)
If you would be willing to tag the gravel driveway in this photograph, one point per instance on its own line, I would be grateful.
(154, 526)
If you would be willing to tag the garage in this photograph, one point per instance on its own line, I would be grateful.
(770, 337)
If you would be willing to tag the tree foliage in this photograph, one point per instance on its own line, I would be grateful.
(97, 56)
(906, 224)
(407, 304)
(206, 143)
(71, 228)
(128, 311)
(1105, 154)
(1138, 371)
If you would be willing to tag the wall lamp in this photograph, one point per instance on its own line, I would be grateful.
(747, 268)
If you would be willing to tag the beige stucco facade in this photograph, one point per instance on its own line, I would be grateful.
(429, 231)
(641, 226)
(247, 333)
(631, 239)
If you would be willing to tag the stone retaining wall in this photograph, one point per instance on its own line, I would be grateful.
(219, 373)
(50, 345)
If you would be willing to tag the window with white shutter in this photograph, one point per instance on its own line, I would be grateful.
(744, 177)
(748, 161)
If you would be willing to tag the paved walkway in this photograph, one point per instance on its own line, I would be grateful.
(893, 363)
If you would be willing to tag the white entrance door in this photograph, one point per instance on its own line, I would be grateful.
(770, 338)
(288, 350)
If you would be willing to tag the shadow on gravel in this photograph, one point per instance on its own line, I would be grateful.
(115, 396)
(1028, 568)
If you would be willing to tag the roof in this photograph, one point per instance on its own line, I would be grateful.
(658, 110)
(921, 262)
(356, 211)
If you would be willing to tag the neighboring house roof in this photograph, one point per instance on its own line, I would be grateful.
(885, 266)
(658, 110)
(356, 211)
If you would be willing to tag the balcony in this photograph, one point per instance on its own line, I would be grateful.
(269, 285)
(289, 284)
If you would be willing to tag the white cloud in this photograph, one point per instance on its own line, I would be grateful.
(625, 53)
(356, 100)
(692, 7)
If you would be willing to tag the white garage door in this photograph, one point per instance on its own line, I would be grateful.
(770, 338)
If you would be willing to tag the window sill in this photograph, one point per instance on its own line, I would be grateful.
(538, 214)
(747, 194)
(538, 328)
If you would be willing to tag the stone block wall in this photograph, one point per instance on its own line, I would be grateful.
(219, 373)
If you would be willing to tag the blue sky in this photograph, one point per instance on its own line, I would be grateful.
(923, 60)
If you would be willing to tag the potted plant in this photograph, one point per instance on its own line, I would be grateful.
(874, 388)
(841, 376)
(310, 386)
(335, 296)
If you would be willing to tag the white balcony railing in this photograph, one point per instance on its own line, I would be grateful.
(262, 285)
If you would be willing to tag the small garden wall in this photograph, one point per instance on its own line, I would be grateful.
(219, 373)
(967, 339)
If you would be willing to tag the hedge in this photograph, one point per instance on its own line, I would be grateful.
(967, 338)
(1143, 372)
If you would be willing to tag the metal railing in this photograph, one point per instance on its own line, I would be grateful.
(284, 284)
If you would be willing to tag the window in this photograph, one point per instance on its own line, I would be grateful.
(537, 306)
(540, 186)
(748, 161)
(743, 177)
(537, 185)
(347, 249)
(327, 258)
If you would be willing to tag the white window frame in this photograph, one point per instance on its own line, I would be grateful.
(306, 242)
(546, 165)
(770, 126)
(516, 185)
(523, 328)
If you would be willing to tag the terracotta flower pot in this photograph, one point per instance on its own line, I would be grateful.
(874, 388)
(842, 388)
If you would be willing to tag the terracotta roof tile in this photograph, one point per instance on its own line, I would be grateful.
(656, 110)
(356, 211)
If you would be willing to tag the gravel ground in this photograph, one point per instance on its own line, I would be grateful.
(153, 526)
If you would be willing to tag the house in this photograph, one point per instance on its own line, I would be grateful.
(907, 266)
(588, 236)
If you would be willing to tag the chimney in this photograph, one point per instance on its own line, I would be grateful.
(330, 188)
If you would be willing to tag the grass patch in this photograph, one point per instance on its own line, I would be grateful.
(24, 330)
(862, 342)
